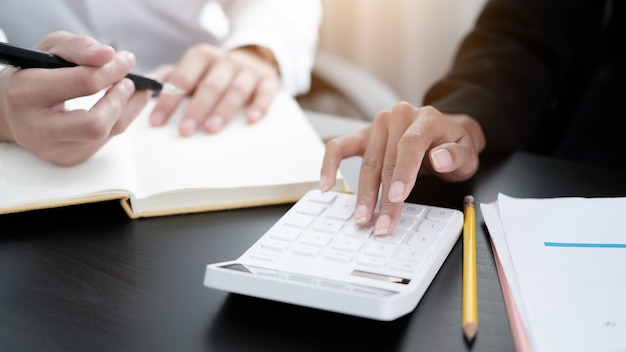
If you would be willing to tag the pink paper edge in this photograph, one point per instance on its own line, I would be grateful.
(520, 337)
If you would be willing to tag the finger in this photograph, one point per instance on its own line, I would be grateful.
(454, 161)
(72, 153)
(109, 109)
(92, 125)
(232, 101)
(336, 150)
(194, 64)
(414, 138)
(157, 115)
(81, 50)
(454, 153)
(392, 191)
(371, 167)
(209, 91)
(261, 100)
(69, 153)
(131, 110)
(71, 82)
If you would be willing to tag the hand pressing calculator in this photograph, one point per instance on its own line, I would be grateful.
(315, 256)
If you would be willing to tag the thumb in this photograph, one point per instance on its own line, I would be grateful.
(453, 162)
(81, 50)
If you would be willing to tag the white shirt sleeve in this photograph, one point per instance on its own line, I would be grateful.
(290, 29)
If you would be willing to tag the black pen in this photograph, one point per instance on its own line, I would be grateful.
(30, 58)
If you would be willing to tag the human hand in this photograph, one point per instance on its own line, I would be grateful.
(220, 83)
(32, 101)
(393, 148)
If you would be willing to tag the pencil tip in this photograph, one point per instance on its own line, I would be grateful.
(470, 330)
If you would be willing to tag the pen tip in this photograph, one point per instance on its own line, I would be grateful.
(169, 88)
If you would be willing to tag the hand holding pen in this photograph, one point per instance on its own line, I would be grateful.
(32, 110)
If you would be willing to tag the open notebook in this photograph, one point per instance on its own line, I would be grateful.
(154, 171)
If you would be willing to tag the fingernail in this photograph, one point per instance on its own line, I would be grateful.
(360, 215)
(382, 225)
(324, 184)
(441, 159)
(129, 59)
(127, 86)
(214, 124)
(93, 48)
(396, 192)
(188, 127)
(254, 115)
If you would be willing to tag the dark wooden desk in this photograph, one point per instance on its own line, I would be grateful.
(86, 278)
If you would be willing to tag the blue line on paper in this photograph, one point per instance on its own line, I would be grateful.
(585, 245)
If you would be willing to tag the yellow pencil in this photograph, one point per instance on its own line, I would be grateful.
(470, 291)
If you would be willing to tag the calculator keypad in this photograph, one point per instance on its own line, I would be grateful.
(322, 226)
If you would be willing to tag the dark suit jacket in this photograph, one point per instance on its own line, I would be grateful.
(545, 76)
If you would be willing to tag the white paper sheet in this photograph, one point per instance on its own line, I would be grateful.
(565, 262)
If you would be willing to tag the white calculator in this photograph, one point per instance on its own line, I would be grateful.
(315, 256)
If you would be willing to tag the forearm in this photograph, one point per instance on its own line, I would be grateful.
(505, 71)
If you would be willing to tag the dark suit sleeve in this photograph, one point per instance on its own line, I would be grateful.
(508, 68)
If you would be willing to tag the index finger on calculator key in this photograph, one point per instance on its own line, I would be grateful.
(388, 216)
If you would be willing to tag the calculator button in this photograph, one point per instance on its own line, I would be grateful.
(300, 221)
(264, 255)
(422, 239)
(413, 254)
(414, 210)
(405, 266)
(362, 232)
(275, 244)
(342, 209)
(306, 250)
(348, 244)
(323, 198)
(338, 256)
(440, 214)
(285, 233)
(310, 208)
(370, 261)
(406, 222)
(378, 249)
(317, 239)
(397, 236)
(328, 226)
(435, 227)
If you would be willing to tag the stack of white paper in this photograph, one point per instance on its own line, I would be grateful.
(562, 266)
